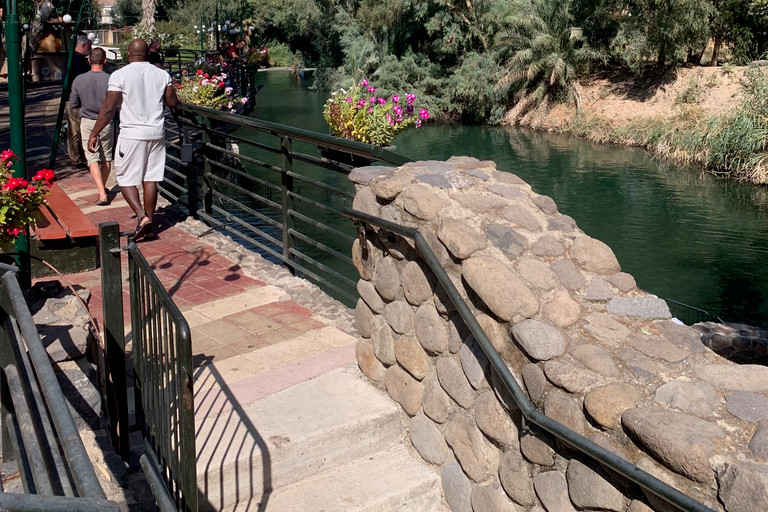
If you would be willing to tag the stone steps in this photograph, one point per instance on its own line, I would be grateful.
(387, 481)
(294, 441)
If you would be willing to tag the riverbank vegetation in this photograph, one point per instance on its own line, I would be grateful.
(513, 61)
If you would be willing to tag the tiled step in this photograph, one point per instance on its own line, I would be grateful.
(292, 435)
(390, 481)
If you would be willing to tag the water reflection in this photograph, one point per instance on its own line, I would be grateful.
(684, 235)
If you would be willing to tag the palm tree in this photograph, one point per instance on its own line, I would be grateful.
(542, 53)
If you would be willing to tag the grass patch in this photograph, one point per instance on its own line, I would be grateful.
(734, 144)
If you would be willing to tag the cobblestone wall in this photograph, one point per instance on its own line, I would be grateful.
(591, 350)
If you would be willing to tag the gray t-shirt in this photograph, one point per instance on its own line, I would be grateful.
(89, 92)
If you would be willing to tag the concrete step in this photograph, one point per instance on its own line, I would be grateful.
(292, 435)
(390, 481)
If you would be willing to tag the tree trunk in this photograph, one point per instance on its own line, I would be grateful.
(148, 15)
(715, 51)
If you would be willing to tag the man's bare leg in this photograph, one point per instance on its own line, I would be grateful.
(131, 196)
(97, 173)
(106, 168)
(150, 199)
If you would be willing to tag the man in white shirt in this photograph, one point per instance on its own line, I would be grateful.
(142, 91)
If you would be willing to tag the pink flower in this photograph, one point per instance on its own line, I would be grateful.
(411, 98)
(349, 99)
(423, 114)
(371, 89)
(370, 110)
(361, 103)
(395, 98)
(7, 155)
(243, 100)
(363, 83)
(418, 123)
(382, 101)
(372, 99)
(398, 110)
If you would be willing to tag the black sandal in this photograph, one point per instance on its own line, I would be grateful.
(142, 229)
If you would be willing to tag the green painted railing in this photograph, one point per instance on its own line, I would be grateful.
(39, 432)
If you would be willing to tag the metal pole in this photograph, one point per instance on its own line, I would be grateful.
(114, 335)
(286, 163)
(67, 88)
(18, 133)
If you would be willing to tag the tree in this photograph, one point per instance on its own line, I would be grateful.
(147, 23)
(543, 53)
(662, 30)
(127, 12)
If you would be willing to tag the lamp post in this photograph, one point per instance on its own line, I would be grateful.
(16, 118)
(83, 16)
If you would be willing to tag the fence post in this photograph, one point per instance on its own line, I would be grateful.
(286, 163)
(6, 358)
(114, 335)
(207, 185)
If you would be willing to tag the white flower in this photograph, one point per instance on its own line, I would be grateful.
(194, 89)
(229, 105)
(228, 90)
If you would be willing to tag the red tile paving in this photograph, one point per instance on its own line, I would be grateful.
(194, 274)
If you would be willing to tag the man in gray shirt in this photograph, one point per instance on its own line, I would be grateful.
(88, 94)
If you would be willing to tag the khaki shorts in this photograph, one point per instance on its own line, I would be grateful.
(104, 149)
(137, 161)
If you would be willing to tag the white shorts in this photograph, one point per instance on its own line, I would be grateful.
(137, 161)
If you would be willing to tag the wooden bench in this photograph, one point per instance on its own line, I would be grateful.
(64, 236)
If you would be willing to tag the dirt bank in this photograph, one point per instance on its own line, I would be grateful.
(618, 99)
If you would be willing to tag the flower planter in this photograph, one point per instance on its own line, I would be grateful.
(341, 157)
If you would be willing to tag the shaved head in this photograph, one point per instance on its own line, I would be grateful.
(138, 51)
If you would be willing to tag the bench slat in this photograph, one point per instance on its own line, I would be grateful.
(69, 215)
(48, 228)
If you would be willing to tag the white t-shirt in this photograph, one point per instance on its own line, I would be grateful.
(143, 87)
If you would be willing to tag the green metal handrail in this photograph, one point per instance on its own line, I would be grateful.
(530, 412)
(37, 419)
(164, 395)
(266, 195)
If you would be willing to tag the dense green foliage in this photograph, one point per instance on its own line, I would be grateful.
(475, 59)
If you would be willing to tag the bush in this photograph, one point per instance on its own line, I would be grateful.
(280, 54)
(472, 90)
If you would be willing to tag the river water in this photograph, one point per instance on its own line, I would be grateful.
(682, 234)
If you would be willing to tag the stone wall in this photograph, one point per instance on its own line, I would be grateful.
(591, 350)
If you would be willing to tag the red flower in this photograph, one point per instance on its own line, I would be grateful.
(221, 84)
(7, 155)
(199, 71)
(14, 183)
(44, 174)
(206, 75)
(31, 189)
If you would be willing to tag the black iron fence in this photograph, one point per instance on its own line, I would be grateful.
(275, 188)
(163, 384)
(39, 433)
(689, 315)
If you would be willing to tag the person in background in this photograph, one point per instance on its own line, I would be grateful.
(143, 91)
(79, 66)
(88, 94)
(155, 57)
(234, 51)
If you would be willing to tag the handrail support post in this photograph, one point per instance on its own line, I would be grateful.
(286, 164)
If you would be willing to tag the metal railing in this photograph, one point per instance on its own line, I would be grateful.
(530, 412)
(688, 314)
(268, 187)
(163, 388)
(39, 432)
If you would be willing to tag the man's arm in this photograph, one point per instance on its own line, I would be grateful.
(106, 113)
(170, 98)
(74, 96)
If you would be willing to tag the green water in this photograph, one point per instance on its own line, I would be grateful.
(682, 235)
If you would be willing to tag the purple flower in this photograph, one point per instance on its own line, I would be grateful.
(363, 83)
(371, 89)
(361, 103)
(424, 114)
(396, 98)
(381, 101)
(398, 110)
(409, 109)
(411, 98)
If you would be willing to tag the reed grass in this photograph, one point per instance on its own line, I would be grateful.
(733, 144)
